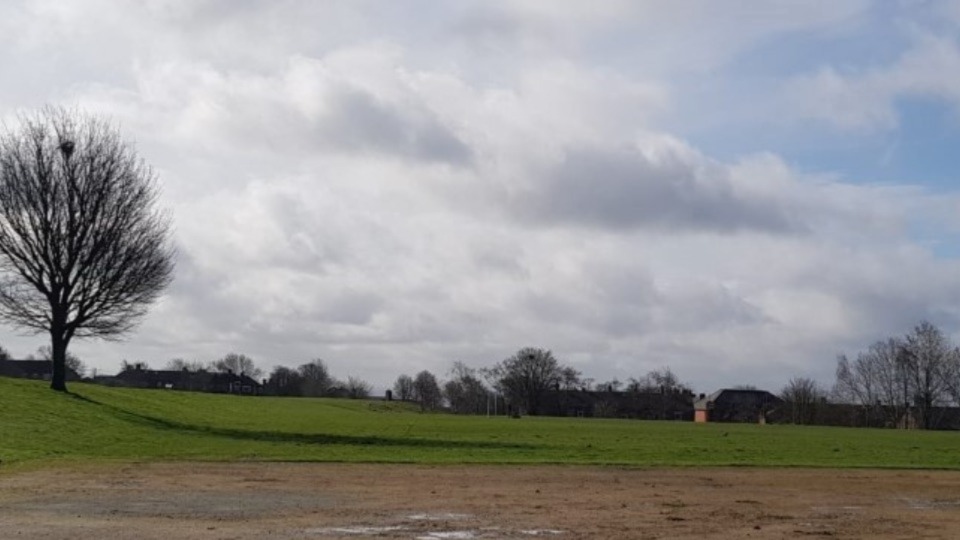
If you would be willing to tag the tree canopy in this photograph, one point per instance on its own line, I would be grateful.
(526, 376)
(83, 248)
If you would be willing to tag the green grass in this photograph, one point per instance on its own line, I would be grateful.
(96, 424)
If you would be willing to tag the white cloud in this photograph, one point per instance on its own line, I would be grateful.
(866, 98)
(344, 187)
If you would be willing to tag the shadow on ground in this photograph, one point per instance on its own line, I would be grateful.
(298, 438)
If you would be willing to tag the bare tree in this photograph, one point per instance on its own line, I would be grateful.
(284, 381)
(926, 360)
(525, 377)
(426, 391)
(133, 366)
(659, 380)
(71, 361)
(884, 364)
(179, 364)
(4, 355)
(876, 380)
(570, 379)
(357, 388)
(315, 378)
(83, 249)
(856, 381)
(403, 388)
(237, 363)
(465, 392)
(904, 379)
(802, 395)
(951, 374)
(613, 385)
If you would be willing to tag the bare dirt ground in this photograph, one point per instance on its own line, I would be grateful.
(325, 501)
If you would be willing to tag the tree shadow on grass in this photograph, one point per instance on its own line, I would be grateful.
(298, 438)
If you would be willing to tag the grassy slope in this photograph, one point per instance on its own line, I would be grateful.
(100, 423)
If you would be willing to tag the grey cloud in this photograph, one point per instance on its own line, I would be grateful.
(622, 189)
(350, 250)
(308, 106)
(705, 308)
(350, 307)
(309, 247)
(359, 121)
(888, 292)
(622, 304)
(487, 27)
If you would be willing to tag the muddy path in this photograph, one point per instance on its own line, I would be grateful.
(325, 501)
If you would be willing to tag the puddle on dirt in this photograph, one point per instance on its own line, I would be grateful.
(484, 533)
(447, 516)
(367, 531)
(359, 530)
(432, 526)
(929, 504)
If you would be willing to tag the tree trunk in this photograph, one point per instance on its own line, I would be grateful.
(58, 355)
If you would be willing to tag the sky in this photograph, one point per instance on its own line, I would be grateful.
(739, 191)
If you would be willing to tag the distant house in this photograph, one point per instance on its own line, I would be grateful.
(735, 405)
(32, 369)
(232, 383)
(137, 376)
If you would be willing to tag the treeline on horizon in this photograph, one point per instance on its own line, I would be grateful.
(917, 373)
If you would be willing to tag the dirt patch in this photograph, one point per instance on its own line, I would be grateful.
(325, 501)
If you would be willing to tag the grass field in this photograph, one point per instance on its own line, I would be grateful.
(95, 423)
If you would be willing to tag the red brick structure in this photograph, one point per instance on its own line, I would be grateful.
(735, 405)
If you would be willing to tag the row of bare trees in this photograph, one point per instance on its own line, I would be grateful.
(904, 379)
(519, 383)
(520, 380)
(311, 379)
(423, 388)
(803, 399)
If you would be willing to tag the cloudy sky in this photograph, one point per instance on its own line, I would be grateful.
(738, 190)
